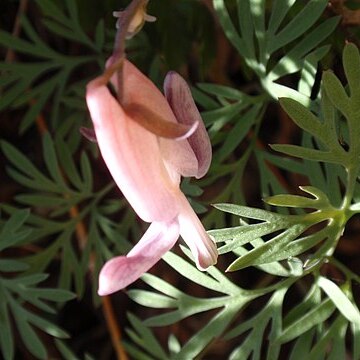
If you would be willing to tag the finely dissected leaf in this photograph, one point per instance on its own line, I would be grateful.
(311, 299)
(161, 285)
(292, 201)
(336, 92)
(228, 286)
(248, 212)
(355, 329)
(341, 301)
(150, 299)
(247, 27)
(243, 234)
(262, 253)
(191, 273)
(296, 58)
(86, 173)
(222, 91)
(28, 335)
(11, 233)
(26, 89)
(41, 200)
(169, 318)
(301, 245)
(57, 295)
(335, 336)
(255, 334)
(213, 329)
(6, 337)
(270, 183)
(28, 170)
(320, 200)
(302, 116)
(50, 9)
(229, 28)
(308, 154)
(31, 279)
(72, 9)
(302, 346)
(12, 265)
(307, 82)
(307, 321)
(24, 319)
(351, 61)
(204, 100)
(221, 116)
(238, 133)
(185, 307)
(51, 161)
(258, 40)
(46, 326)
(298, 25)
(45, 90)
(310, 123)
(62, 24)
(19, 289)
(146, 339)
(12, 42)
(278, 13)
(65, 351)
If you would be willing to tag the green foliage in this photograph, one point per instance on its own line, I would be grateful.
(258, 41)
(56, 193)
(29, 83)
(67, 213)
(21, 294)
(289, 239)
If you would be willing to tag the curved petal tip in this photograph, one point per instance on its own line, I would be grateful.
(179, 97)
(122, 271)
(193, 233)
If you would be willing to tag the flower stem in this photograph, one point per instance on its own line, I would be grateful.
(113, 327)
(119, 55)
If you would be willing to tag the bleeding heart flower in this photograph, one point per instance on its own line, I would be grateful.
(148, 141)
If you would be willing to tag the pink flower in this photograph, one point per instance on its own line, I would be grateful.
(148, 142)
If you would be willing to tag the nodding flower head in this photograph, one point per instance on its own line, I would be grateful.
(148, 141)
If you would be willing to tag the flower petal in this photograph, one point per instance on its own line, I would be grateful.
(178, 95)
(132, 156)
(193, 233)
(121, 271)
(88, 133)
(158, 125)
(139, 90)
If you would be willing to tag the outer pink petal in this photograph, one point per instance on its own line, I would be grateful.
(141, 90)
(178, 94)
(132, 156)
(121, 271)
(195, 236)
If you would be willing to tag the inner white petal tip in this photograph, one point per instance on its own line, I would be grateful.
(149, 18)
(106, 286)
(204, 262)
(189, 132)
